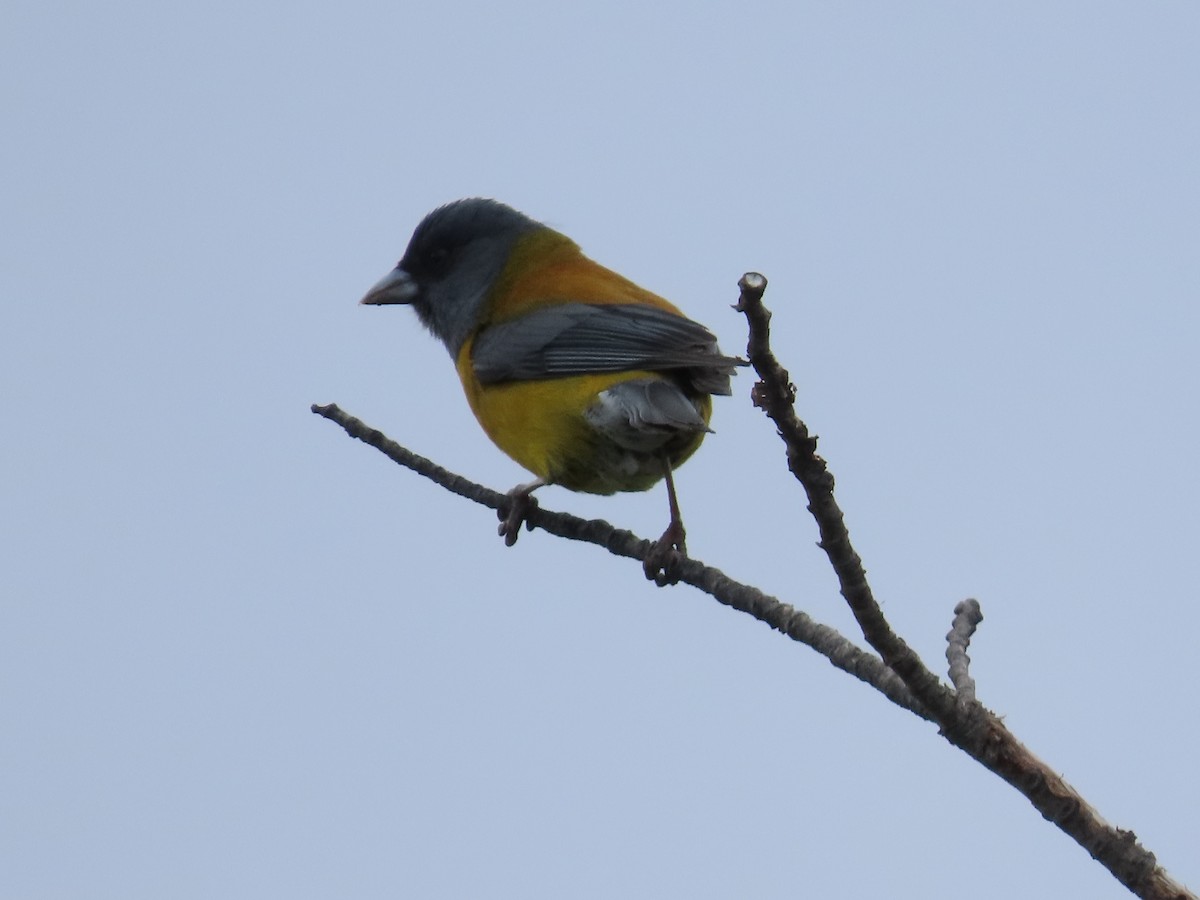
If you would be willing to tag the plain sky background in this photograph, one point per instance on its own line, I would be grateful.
(244, 656)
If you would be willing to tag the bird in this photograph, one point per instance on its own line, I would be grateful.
(582, 377)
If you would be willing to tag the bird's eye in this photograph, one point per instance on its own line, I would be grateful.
(437, 258)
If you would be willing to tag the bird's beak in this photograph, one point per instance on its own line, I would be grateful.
(397, 286)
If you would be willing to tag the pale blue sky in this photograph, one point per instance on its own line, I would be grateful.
(243, 656)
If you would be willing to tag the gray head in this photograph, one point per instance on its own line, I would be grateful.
(452, 260)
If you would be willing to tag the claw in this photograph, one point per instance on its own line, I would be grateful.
(666, 556)
(519, 503)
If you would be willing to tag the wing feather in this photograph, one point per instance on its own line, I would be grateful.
(585, 338)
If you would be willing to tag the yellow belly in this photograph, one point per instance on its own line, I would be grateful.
(542, 426)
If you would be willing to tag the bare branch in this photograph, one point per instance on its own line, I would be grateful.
(775, 394)
(967, 725)
(967, 616)
(767, 609)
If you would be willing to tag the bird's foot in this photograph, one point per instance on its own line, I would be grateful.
(518, 504)
(666, 555)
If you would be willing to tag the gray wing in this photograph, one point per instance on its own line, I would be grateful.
(584, 338)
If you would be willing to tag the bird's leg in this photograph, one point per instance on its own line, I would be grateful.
(518, 504)
(662, 562)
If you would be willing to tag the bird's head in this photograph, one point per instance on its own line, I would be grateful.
(452, 261)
